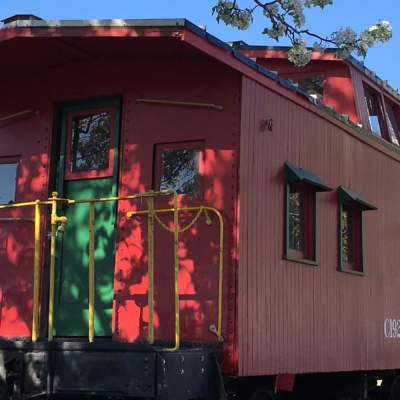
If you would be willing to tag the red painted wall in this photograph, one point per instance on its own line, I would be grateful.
(293, 317)
(26, 140)
(143, 125)
(338, 87)
(146, 125)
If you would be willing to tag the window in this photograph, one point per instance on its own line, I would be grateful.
(90, 144)
(8, 180)
(301, 214)
(313, 85)
(392, 114)
(374, 106)
(179, 167)
(351, 206)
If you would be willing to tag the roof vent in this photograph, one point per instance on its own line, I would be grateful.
(21, 17)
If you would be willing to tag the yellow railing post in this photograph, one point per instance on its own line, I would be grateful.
(91, 271)
(58, 223)
(52, 262)
(221, 263)
(150, 244)
(176, 269)
(36, 283)
(217, 330)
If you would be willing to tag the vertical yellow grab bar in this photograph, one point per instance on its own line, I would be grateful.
(91, 271)
(150, 244)
(221, 264)
(176, 269)
(52, 262)
(35, 316)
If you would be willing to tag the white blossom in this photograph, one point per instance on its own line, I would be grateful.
(381, 32)
(278, 30)
(231, 15)
(287, 18)
(317, 3)
(295, 10)
(299, 55)
(345, 36)
(271, 9)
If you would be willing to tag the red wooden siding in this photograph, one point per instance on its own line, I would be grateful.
(338, 87)
(219, 131)
(26, 140)
(159, 76)
(294, 317)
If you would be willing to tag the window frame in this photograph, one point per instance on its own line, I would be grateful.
(353, 200)
(292, 77)
(396, 114)
(377, 95)
(90, 174)
(159, 148)
(311, 185)
(12, 160)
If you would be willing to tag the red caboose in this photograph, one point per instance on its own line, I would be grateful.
(172, 209)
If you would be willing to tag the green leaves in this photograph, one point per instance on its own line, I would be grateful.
(299, 55)
(228, 12)
(286, 18)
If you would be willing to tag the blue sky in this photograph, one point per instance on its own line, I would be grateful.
(358, 14)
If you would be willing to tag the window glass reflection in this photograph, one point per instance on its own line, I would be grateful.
(180, 171)
(8, 182)
(296, 218)
(90, 144)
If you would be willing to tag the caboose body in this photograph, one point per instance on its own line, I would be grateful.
(175, 216)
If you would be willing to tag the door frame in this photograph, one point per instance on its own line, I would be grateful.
(59, 151)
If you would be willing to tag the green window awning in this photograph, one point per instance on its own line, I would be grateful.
(294, 173)
(346, 194)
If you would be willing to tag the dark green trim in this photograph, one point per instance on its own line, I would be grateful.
(293, 173)
(82, 105)
(286, 256)
(346, 195)
(61, 185)
(301, 260)
(286, 249)
(350, 271)
(315, 228)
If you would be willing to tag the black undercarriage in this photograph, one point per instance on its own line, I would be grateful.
(107, 369)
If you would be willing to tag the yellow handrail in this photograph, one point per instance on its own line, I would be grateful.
(181, 103)
(36, 221)
(91, 271)
(52, 263)
(17, 114)
(18, 219)
(62, 220)
(35, 316)
(176, 276)
(221, 245)
(150, 244)
(58, 222)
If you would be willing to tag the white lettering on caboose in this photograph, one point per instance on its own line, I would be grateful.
(392, 328)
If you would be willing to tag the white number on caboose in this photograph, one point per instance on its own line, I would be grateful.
(392, 328)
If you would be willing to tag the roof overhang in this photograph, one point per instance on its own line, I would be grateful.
(54, 42)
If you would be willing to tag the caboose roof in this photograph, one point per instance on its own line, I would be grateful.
(32, 22)
(67, 33)
(31, 44)
(280, 52)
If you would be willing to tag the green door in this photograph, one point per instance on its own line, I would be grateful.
(88, 167)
